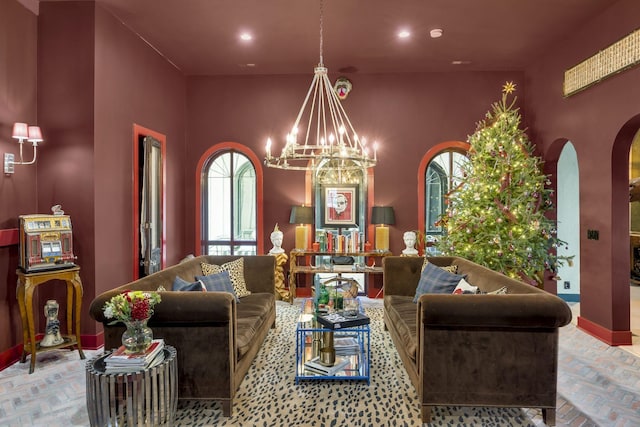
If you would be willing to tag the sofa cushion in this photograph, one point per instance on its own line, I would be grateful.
(220, 282)
(236, 273)
(463, 287)
(179, 284)
(251, 315)
(401, 312)
(435, 280)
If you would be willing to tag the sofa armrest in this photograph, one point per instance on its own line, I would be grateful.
(493, 311)
(179, 307)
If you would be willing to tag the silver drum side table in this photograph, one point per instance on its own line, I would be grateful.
(147, 397)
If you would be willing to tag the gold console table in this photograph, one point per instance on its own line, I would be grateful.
(27, 283)
(296, 267)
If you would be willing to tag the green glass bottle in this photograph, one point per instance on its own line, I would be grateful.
(323, 296)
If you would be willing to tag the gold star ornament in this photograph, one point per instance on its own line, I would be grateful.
(508, 88)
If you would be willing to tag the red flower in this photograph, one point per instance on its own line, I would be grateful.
(140, 310)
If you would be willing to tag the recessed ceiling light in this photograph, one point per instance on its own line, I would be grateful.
(246, 37)
(435, 33)
(458, 62)
(404, 34)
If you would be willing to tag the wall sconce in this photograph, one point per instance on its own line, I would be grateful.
(301, 215)
(22, 131)
(383, 215)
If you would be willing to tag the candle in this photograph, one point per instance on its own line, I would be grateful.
(382, 238)
(301, 237)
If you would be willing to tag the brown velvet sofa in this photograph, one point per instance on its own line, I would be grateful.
(475, 350)
(216, 338)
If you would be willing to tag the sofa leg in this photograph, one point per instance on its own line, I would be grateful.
(549, 416)
(426, 414)
(226, 407)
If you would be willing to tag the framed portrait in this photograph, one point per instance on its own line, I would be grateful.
(339, 205)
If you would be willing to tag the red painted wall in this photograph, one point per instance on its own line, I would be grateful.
(100, 80)
(592, 120)
(95, 79)
(407, 114)
(18, 103)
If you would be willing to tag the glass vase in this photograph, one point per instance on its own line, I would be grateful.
(138, 336)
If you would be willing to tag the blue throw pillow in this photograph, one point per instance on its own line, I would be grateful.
(220, 282)
(435, 280)
(179, 284)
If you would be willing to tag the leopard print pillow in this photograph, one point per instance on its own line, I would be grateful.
(450, 268)
(236, 274)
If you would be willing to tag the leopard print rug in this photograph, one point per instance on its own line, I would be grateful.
(268, 396)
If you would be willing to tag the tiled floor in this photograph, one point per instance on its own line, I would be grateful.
(634, 319)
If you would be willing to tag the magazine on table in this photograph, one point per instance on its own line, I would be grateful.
(118, 369)
(346, 346)
(119, 357)
(315, 366)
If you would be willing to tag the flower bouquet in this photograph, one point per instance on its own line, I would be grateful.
(133, 308)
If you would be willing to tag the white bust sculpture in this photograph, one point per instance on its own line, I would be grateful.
(276, 240)
(409, 241)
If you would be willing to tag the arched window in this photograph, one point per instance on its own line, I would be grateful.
(229, 205)
(439, 173)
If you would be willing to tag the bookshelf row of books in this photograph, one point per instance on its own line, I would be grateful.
(351, 241)
(119, 361)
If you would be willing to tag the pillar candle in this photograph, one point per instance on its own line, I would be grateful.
(301, 237)
(382, 238)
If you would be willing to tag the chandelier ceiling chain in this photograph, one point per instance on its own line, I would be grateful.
(335, 137)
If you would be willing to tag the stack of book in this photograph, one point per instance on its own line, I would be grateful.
(346, 346)
(119, 361)
(314, 366)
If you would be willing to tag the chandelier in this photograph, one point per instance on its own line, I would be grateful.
(329, 134)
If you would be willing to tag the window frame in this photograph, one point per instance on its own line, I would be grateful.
(456, 146)
(206, 160)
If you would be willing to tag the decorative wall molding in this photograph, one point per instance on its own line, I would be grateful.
(620, 56)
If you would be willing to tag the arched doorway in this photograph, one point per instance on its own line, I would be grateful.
(568, 220)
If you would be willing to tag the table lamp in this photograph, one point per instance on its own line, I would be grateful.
(382, 216)
(301, 215)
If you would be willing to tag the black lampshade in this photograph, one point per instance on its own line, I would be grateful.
(383, 215)
(301, 215)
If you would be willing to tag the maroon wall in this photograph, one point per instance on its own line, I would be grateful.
(95, 80)
(66, 112)
(18, 92)
(133, 85)
(592, 121)
(407, 114)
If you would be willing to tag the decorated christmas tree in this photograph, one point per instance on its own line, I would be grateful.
(496, 216)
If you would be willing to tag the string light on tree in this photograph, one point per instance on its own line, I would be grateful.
(496, 216)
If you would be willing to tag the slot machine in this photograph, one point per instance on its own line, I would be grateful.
(46, 242)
